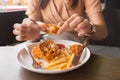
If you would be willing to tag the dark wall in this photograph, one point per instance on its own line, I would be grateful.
(7, 20)
(112, 4)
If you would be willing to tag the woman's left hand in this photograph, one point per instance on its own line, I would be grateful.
(76, 23)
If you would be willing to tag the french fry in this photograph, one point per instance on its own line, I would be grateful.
(70, 61)
(57, 58)
(65, 52)
(57, 67)
(57, 62)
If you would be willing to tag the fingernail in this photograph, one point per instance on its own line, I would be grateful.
(75, 29)
(58, 32)
(79, 34)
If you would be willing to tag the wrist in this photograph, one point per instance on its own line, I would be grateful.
(93, 29)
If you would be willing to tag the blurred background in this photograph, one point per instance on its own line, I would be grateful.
(14, 2)
(10, 5)
(11, 12)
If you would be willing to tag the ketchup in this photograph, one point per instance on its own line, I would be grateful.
(60, 46)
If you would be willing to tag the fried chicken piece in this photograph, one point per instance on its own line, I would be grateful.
(75, 49)
(49, 28)
(45, 50)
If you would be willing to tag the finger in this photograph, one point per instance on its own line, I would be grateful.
(17, 26)
(82, 32)
(28, 21)
(33, 24)
(17, 32)
(83, 28)
(60, 23)
(20, 27)
(66, 23)
(76, 21)
(82, 25)
(30, 25)
(20, 38)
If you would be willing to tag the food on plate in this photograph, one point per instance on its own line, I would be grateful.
(57, 56)
(49, 28)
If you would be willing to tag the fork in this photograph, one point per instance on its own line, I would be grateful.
(34, 64)
(76, 58)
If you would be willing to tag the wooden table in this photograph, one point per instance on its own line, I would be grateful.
(97, 68)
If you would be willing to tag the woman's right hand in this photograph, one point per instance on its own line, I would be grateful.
(27, 30)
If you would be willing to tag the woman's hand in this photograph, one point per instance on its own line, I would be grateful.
(27, 30)
(76, 23)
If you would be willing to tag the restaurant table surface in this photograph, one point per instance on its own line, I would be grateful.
(98, 67)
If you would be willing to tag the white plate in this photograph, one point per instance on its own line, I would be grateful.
(25, 60)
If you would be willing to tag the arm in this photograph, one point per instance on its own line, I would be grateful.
(101, 30)
(82, 26)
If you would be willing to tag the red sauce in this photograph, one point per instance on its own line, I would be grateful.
(60, 46)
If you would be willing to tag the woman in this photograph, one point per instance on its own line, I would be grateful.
(70, 14)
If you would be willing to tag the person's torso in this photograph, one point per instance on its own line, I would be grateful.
(59, 10)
